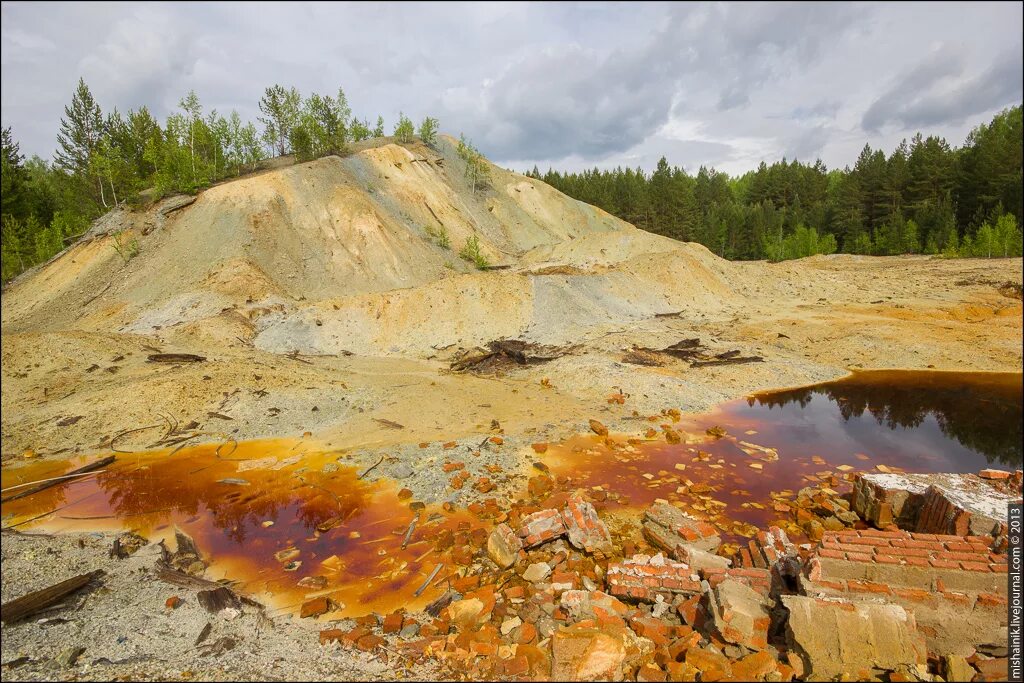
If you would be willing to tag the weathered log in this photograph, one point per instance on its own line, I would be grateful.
(42, 486)
(175, 358)
(726, 361)
(29, 604)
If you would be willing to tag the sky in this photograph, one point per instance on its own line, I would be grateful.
(563, 85)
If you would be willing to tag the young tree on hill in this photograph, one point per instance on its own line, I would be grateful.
(12, 176)
(80, 131)
(428, 131)
(360, 130)
(404, 129)
(378, 130)
(477, 170)
(193, 110)
(280, 110)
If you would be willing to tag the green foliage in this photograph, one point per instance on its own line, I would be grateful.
(361, 130)
(801, 243)
(924, 197)
(127, 248)
(378, 130)
(471, 252)
(477, 171)
(281, 112)
(428, 131)
(404, 129)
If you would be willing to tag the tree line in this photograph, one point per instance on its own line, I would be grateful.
(103, 161)
(925, 197)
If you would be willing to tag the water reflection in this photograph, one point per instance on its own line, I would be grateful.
(980, 412)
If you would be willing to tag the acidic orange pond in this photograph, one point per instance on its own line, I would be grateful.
(264, 512)
(776, 443)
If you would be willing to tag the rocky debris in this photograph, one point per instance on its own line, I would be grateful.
(126, 545)
(502, 354)
(759, 580)
(597, 605)
(186, 556)
(698, 560)
(836, 638)
(646, 578)
(503, 546)
(672, 530)
(218, 600)
(540, 527)
(860, 603)
(584, 528)
(538, 571)
(740, 615)
(955, 504)
(582, 653)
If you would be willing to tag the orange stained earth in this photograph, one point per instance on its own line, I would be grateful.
(245, 503)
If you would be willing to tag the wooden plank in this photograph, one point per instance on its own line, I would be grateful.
(29, 604)
(42, 486)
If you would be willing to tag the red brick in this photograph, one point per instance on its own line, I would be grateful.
(835, 554)
(998, 568)
(916, 561)
(867, 587)
(962, 557)
(887, 559)
(912, 594)
(877, 542)
(961, 598)
(857, 557)
(926, 545)
(991, 599)
(945, 564)
(883, 534)
(975, 566)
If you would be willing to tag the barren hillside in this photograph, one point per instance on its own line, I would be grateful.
(324, 298)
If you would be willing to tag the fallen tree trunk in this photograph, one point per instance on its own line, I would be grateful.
(175, 358)
(42, 486)
(26, 605)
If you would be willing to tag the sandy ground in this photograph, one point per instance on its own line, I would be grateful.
(334, 260)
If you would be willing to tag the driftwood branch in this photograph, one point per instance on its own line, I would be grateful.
(43, 485)
(27, 605)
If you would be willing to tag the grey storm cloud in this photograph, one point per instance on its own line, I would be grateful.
(936, 91)
(569, 85)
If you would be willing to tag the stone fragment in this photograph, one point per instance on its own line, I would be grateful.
(537, 571)
(314, 608)
(994, 474)
(510, 625)
(711, 665)
(836, 637)
(586, 654)
(956, 668)
(503, 546)
(581, 604)
(700, 560)
(758, 666)
(740, 615)
(466, 614)
(540, 527)
(598, 428)
(585, 529)
(69, 656)
(670, 529)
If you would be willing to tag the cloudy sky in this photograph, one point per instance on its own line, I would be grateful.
(566, 85)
